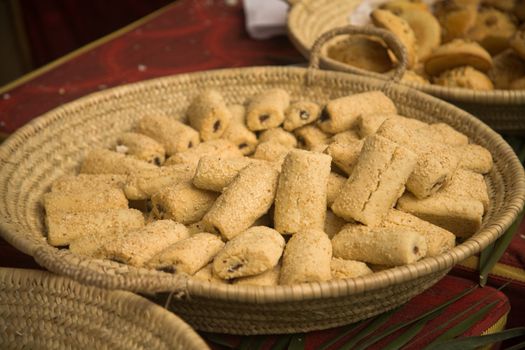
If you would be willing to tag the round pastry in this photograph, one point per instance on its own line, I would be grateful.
(361, 51)
(411, 76)
(400, 28)
(464, 77)
(492, 30)
(503, 5)
(517, 42)
(507, 66)
(458, 53)
(456, 17)
(426, 29)
(398, 6)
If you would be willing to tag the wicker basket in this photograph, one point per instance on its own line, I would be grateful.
(54, 144)
(39, 310)
(503, 110)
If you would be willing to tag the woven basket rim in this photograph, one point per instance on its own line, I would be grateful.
(53, 259)
(295, 31)
(121, 302)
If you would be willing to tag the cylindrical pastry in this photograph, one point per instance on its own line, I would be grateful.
(272, 152)
(466, 183)
(475, 158)
(300, 201)
(300, 113)
(206, 274)
(221, 147)
(174, 135)
(391, 246)
(345, 155)
(196, 227)
(267, 278)
(438, 239)
(310, 137)
(182, 202)
(103, 161)
(87, 182)
(444, 133)
(266, 109)
(335, 184)
(188, 255)
(333, 224)
(141, 147)
(237, 132)
(307, 258)
(367, 124)
(436, 162)
(278, 135)
(348, 136)
(214, 173)
(254, 251)
(209, 115)
(63, 228)
(342, 113)
(376, 183)
(461, 216)
(342, 268)
(137, 247)
(145, 183)
(107, 198)
(91, 245)
(247, 198)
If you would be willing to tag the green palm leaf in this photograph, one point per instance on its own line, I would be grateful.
(469, 343)
(348, 329)
(297, 342)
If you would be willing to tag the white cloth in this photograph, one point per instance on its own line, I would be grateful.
(265, 18)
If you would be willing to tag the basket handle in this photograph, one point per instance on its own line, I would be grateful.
(390, 39)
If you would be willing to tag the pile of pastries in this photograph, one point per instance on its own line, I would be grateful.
(275, 191)
(472, 44)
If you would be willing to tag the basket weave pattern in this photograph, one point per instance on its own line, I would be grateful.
(55, 144)
(41, 311)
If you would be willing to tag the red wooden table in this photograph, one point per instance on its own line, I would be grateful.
(183, 37)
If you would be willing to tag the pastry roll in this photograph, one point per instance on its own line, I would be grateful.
(63, 228)
(300, 113)
(141, 147)
(272, 152)
(206, 274)
(182, 203)
(237, 132)
(103, 161)
(145, 183)
(188, 255)
(247, 198)
(62, 202)
(367, 124)
(335, 184)
(214, 173)
(376, 183)
(348, 136)
(345, 155)
(342, 268)
(254, 251)
(342, 113)
(391, 246)
(279, 135)
(91, 245)
(267, 278)
(174, 135)
(221, 147)
(436, 162)
(475, 158)
(266, 109)
(196, 227)
(461, 216)
(137, 247)
(466, 183)
(444, 133)
(310, 137)
(209, 115)
(300, 201)
(438, 239)
(307, 258)
(87, 182)
(333, 224)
